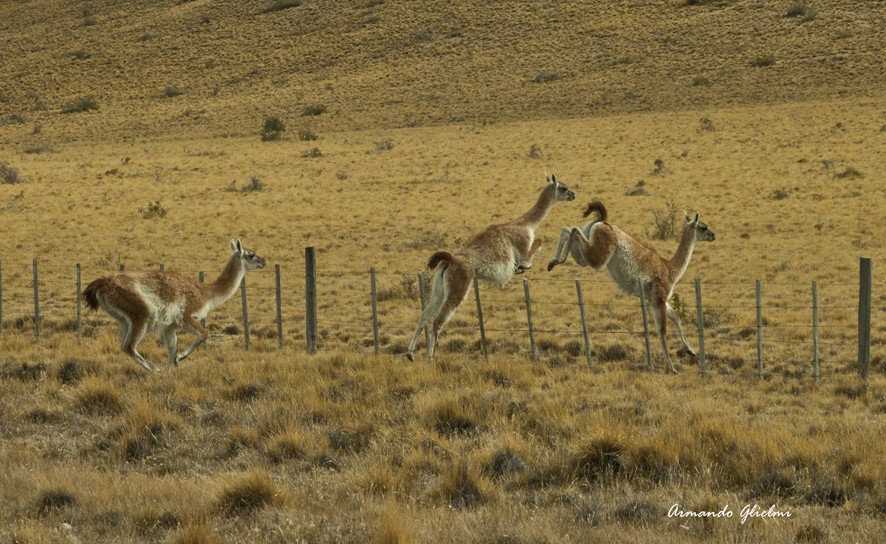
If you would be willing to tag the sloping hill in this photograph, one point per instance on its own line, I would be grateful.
(195, 68)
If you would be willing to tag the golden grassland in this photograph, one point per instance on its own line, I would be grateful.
(331, 448)
(436, 123)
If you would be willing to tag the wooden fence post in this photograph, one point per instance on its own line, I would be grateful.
(480, 318)
(529, 319)
(702, 363)
(584, 321)
(279, 299)
(373, 295)
(311, 299)
(245, 312)
(162, 267)
(122, 267)
(79, 323)
(645, 325)
(816, 364)
(36, 301)
(864, 317)
(759, 293)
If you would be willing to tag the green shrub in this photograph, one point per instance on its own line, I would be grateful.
(280, 5)
(273, 129)
(314, 110)
(665, 220)
(544, 77)
(153, 210)
(763, 61)
(82, 104)
(9, 175)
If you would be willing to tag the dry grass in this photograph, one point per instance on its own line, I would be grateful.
(622, 448)
(408, 136)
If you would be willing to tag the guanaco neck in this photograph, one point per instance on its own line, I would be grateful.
(227, 282)
(680, 261)
(537, 214)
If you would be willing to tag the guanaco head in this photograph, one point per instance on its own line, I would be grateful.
(702, 232)
(561, 192)
(250, 260)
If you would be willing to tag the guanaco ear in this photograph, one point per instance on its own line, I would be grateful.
(686, 215)
(236, 247)
(547, 178)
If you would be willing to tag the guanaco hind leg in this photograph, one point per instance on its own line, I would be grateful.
(672, 315)
(435, 302)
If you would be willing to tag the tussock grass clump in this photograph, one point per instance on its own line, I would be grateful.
(154, 210)
(286, 446)
(613, 352)
(545, 76)
(706, 125)
(242, 438)
(38, 148)
(600, 458)
(9, 175)
(313, 110)
(280, 5)
(802, 11)
(452, 416)
(146, 429)
(247, 392)
(637, 511)
(249, 493)
(52, 500)
(149, 520)
(96, 396)
(307, 135)
(196, 534)
(380, 478)
(392, 529)
(69, 373)
(763, 61)
(172, 91)
(504, 463)
(462, 486)
(79, 105)
(850, 173)
(351, 440)
(25, 371)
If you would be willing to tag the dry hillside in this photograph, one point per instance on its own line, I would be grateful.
(179, 68)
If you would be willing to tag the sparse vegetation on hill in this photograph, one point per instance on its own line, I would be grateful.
(380, 65)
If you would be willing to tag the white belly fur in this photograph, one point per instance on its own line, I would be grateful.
(161, 314)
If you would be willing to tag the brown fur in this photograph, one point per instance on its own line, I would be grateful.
(495, 254)
(90, 294)
(165, 302)
(632, 263)
(437, 258)
(597, 206)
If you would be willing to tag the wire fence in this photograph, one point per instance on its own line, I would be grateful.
(763, 327)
